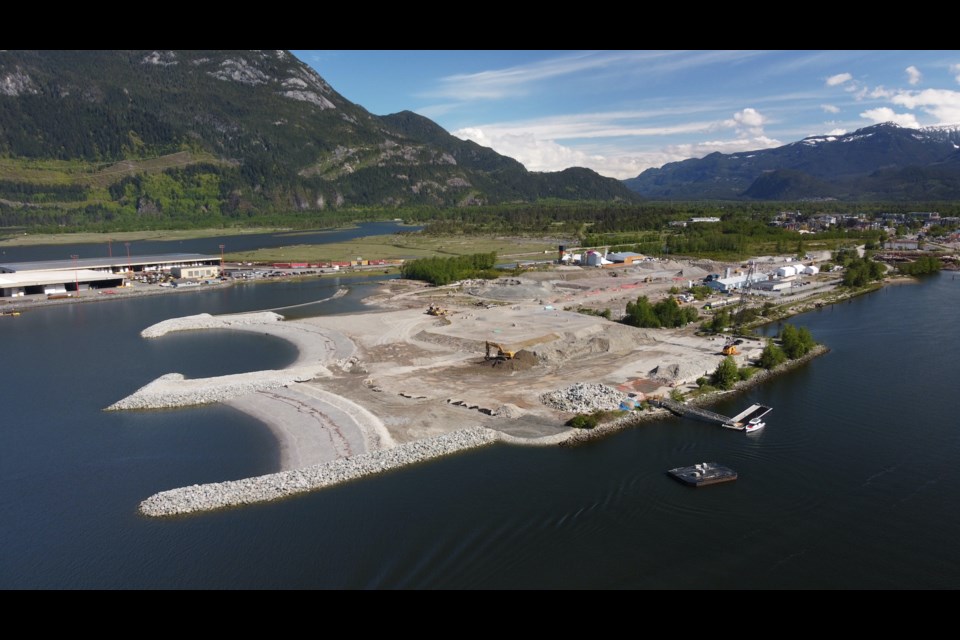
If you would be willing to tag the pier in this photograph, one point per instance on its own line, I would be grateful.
(737, 422)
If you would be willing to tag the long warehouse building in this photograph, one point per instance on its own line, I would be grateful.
(60, 276)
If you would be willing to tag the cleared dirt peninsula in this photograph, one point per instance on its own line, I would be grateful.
(394, 385)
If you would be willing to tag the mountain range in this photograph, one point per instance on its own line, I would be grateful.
(132, 139)
(880, 162)
(93, 136)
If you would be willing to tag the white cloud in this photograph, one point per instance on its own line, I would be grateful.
(942, 104)
(495, 84)
(840, 78)
(749, 117)
(700, 149)
(886, 114)
(836, 132)
(535, 144)
(548, 155)
(611, 124)
(500, 83)
(830, 108)
(955, 68)
(913, 75)
(747, 123)
(616, 162)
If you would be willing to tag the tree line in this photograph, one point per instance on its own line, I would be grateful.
(441, 271)
(666, 313)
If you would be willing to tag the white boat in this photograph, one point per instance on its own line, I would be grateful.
(755, 425)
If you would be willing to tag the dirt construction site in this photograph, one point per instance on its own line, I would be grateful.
(513, 354)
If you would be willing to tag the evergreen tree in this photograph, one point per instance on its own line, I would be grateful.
(727, 374)
(772, 356)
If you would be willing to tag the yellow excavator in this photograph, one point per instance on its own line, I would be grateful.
(436, 310)
(500, 354)
(730, 349)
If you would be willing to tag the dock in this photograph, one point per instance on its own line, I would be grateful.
(737, 422)
(703, 474)
(748, 414)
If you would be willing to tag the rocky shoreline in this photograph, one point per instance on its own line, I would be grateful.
(635, 418)
(286, 484)
(174, 391)
(207, 321)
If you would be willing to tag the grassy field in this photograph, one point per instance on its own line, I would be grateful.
(389, 247)
(405, 246)
(26, 240)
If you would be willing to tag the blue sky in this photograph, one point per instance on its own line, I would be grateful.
(620, 112)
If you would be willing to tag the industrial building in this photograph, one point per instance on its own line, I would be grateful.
(734, 282)
(596, 259)
(789, 271)
(196, 271)
(625, 257)
(774, 285)
(78, 274)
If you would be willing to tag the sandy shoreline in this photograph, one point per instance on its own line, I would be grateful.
(383, 389)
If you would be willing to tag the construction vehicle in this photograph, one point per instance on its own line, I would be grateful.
(436, 310)
(501, 353)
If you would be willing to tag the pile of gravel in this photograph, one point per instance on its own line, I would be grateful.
(508, 410)
(584, 398)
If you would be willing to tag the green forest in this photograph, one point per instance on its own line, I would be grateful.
(441, 271)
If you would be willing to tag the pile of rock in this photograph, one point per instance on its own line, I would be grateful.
(584, 398)
(510, 411)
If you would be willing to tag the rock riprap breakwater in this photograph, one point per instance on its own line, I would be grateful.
(207, 321)
(277, 486)
(173, 390)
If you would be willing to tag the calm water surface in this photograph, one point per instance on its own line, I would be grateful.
(853, 484)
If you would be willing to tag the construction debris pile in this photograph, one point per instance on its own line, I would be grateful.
(584, 398)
